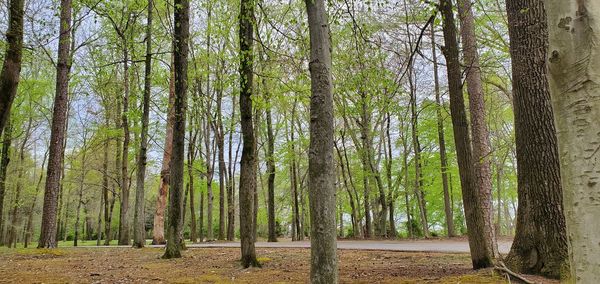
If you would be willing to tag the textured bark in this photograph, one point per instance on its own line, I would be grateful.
(11, 68)
(180, 51)
(248, 165)
(540, 244)
(481, 255)
(158, 231)
(57, 134)
(6, 141)
(574, 80)
(448, 210)
(139, 219)
(321, 166)
(482, 178)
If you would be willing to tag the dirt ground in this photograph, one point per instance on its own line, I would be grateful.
(220, 265)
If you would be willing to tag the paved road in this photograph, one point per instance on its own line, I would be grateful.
(461, 246)
(420, 245)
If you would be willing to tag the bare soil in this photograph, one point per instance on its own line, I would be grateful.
(221, 265)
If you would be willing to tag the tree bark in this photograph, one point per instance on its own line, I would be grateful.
(6, 141)
(11, 68)
(180, 51)
(248, 166)
(124, 238)
(573, 61)
(57, 134)
(139, 219)
(158, 231)
(321, 166)
(481, 254)
(540, 244)
(479, 131)
(270, 168)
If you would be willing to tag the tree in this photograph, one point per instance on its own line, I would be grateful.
(5, 160)
(573, 79)
(180, 54)
(321, 166)
(270, 167)
(57, 135)
(481, 256)
(540, 244)
(448, 210)
(11, 68)
(139, 231)
(480, 144)
(248, 164)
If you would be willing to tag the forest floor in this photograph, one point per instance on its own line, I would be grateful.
(221, 265)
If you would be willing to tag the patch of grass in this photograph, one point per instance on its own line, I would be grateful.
(263, 260)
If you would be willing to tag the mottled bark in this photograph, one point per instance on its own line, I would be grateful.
(321, 166)
(57, 133)
(11, 68)
(248, 165)
(180, 51)
(574, 80)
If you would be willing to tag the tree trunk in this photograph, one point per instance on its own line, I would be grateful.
(574, 88)
(158, 231)
(80, 196)
(231, 178)
(107, 214)
(57, 134)
(270, 168)
(479, 132)
(7, 140)
(481, 253)
(124, 238)
(180, 51)
(540, 244)
(139, 219)
(321, 166)
(448, 210)
(190, 166)
(248, 166)
(11, 68)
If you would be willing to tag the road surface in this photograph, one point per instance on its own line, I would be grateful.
(453, 246)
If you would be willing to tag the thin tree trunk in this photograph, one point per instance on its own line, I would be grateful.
(480, 135)
(180, 47)
(15, 214)
(481, 253)
(270, 168)
(80, 194)
(139, 220)
(124, 238)
(57, 134)
(448, 210)
(11, 68)
(29, 226)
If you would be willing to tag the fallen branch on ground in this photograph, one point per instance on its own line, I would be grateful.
(502, 268)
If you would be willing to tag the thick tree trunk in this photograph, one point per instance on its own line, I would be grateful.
(57, 134)
(6, 141)
(248, 166)
(448, 210)
(139, 219)
(11, 68)
(158, 231)
(180, 51)
(574, 31)
(479, 131)
(321, 166)
(540, 244)
(481, 253)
